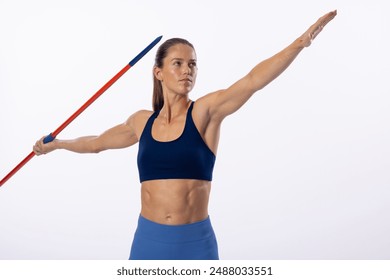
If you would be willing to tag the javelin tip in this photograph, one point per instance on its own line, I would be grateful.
(145, 51)
(158, 39)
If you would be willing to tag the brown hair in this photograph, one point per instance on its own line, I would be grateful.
(162, 52)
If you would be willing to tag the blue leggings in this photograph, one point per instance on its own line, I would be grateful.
(154, 241)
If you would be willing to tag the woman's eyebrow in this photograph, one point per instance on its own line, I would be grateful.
(182, 59)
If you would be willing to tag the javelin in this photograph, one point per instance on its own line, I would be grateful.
(53, 135)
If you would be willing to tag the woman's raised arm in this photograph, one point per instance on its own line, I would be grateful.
(225, 102)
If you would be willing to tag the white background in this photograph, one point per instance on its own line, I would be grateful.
(302, 169)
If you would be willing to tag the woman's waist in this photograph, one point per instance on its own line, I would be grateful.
(167, 216)
(190, 232)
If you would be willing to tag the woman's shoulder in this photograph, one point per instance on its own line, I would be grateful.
(142, 114)
(138, 120)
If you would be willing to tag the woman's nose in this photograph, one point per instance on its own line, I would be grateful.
(186, 69)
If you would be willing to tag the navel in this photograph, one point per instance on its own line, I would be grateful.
(168, 218)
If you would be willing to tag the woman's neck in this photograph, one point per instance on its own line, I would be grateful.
(174, 107)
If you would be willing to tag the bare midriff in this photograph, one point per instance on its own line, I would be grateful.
(175, 201)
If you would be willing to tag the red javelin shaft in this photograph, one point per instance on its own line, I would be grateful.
(53, 135)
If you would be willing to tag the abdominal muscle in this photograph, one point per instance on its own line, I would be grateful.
(175, 201)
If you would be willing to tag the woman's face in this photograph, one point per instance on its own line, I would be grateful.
(178, 74)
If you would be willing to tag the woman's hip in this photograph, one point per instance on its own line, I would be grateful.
(189, 241)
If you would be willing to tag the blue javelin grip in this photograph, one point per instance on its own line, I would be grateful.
(48, 139)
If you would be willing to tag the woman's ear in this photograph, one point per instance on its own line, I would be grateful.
(157, 73)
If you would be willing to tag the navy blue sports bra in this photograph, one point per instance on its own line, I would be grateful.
(187, 157)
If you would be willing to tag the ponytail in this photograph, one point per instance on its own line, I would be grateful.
(158, 97)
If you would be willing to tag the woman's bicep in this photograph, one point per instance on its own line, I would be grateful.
(227, 101)
(117, 137)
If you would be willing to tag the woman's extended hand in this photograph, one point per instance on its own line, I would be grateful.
(40, 148)
(308, 37)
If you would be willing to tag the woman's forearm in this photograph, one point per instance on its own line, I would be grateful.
(84, 144)
(268, 70)
(119, 136)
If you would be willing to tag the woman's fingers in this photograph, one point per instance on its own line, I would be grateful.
(320, 24)
(307, 38)
(38, 147)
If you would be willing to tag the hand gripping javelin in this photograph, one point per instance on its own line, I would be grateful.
(54, 134)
